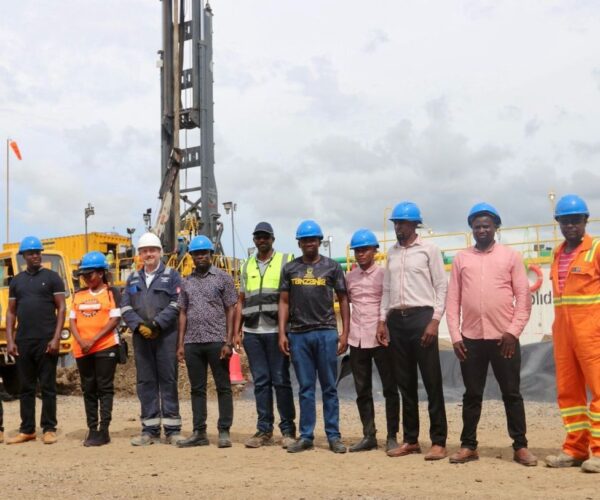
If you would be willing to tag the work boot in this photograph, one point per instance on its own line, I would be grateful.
(390, 443)
(172, 439)
(337, 446)
(144, 439)
(592, 464)
(97, 438)
(196, 439)
(21, 438)
(562, 460)
(90, 438)
(524, 457)
(365, 444)
(259, 439)
(224, 439)
(287, 440)
(300, 445)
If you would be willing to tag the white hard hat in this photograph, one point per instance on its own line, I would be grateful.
(149, 240)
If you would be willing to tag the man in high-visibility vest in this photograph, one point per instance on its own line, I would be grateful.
(256, 324)
(576, 334)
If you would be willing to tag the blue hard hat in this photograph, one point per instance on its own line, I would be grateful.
(308, 229)
(363, 238)
(570, 204)
(30, 243)
(93, 260)
(406, 210)
(200, 243)
(483, 209)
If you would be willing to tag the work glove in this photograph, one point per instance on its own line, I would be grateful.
(145, 331)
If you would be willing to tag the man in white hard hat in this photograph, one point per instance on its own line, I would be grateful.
(149, 307)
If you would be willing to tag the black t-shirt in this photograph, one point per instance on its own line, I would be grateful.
(36, 311)
(311, 288)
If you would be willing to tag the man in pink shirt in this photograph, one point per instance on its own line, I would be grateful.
(489, 286)
(365, 287)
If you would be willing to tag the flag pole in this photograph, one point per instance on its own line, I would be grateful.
(7, 190)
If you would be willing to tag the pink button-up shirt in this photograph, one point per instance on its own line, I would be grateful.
(491, 290)
(414, 277)
(364, 292)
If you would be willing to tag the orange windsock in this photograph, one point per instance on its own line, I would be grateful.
(15, 148)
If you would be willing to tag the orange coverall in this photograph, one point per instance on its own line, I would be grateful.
(576, 335)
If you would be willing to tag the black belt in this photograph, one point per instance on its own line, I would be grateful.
(409, 311)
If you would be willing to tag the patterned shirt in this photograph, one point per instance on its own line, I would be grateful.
(564, 263)
(204, 298)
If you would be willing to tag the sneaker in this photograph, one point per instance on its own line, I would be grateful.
(562, 460)
(287, 440)
(300, 445)
(224, 440)
(21, 438)
(49, 437)
(196, 439)
(337, 446)
(172, 439)
(592, 464)
(259, 439)
(144, 440)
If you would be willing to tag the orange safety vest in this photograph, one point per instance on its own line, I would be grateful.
(576, 337)
(92, 313)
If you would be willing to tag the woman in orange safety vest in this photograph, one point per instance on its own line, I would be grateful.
(93, 320)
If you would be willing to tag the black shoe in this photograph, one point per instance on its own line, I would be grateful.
(300, 445)
(365, 444)
(91, 438)
(337, 446)
(390, 443)
(196, 439)
(224, 440)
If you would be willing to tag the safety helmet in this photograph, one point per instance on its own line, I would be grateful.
(483, 209)
(30, 243)
(571, 204)
(149, 240)
(91, 261)
(309, 229)
(200, 243)
(363, 238)
(406, 210)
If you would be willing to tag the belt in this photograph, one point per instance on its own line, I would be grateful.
(409, 311)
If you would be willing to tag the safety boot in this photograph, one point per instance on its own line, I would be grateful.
(592, 464)
(562, 460)
(365, 444)
(259, 439)
(224, 439)
(144, 439)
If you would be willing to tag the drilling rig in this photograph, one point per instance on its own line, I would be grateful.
(187, 116)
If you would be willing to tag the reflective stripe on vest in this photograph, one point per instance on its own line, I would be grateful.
(576, 300)
(261, 293)
(589, 256)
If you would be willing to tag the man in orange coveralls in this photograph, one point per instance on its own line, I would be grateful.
(576, 331)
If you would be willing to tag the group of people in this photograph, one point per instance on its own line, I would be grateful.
(284, 313)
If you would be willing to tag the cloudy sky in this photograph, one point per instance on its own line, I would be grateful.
(332, 110)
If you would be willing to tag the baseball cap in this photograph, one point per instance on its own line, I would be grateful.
(263, 227)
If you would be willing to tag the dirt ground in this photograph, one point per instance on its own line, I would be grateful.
(69, 470)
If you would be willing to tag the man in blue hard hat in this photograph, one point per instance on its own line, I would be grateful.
(414, 292)
(207, 306)
(36, 306)
(256, 324)
(365, 288)
(487, 308)
(306, 302)
(149, 308)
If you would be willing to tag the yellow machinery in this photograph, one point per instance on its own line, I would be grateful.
(11, 263)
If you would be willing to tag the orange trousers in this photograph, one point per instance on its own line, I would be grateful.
(576, 335)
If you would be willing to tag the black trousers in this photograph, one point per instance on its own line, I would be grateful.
(480, 353)
(361, 363)
(33, 365)
(97, 373)
(405, 342)
(198, 357)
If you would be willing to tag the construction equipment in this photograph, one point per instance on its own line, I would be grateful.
(187, 144)
(12, 263)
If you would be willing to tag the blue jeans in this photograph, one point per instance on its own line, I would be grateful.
(270, 370)
(314, 353)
